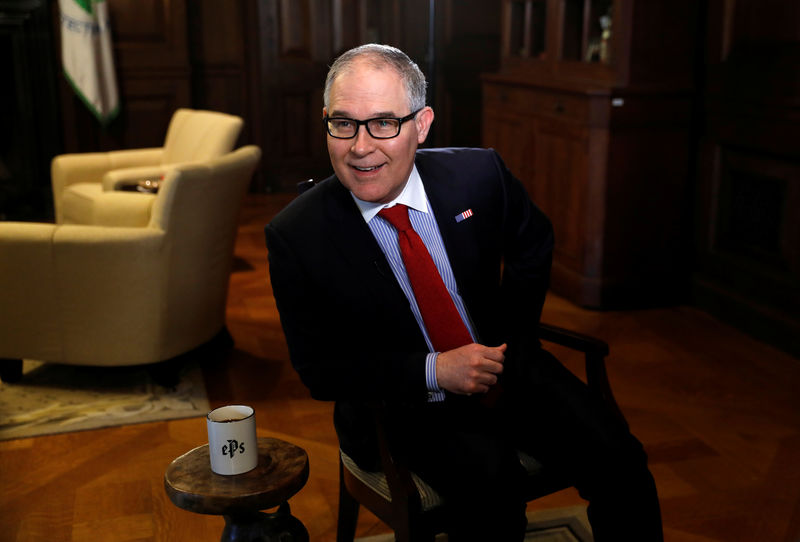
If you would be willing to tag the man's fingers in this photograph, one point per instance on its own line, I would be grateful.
(496, 353)
(492, 367)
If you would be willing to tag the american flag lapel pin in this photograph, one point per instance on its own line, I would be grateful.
(462, 216)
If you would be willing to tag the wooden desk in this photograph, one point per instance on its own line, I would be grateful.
(281, 472)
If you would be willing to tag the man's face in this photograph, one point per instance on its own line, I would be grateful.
(372, 169)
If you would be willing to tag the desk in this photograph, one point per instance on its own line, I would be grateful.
(281, 472)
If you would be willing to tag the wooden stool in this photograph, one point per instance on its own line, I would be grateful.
(281, 472)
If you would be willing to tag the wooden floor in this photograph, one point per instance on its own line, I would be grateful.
(718, 412)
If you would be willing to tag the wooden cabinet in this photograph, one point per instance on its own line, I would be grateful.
(601, 139)
(747, 259)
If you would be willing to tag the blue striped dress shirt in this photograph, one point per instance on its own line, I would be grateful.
(424, 223)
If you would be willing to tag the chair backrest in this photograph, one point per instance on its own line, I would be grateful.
(198, 207)
(199, 135)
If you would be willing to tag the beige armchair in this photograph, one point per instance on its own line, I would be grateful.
(85, 185)
(110, 295)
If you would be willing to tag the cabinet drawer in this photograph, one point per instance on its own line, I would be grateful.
(536, 102)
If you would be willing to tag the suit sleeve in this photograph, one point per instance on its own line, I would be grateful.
(527, 259)
(335, 352)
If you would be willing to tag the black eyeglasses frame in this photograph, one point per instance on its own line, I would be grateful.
(359, 123)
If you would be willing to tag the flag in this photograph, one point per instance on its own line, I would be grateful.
(87, 57)
(461, 216)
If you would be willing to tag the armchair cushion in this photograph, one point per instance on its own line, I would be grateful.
(377, 482)
(429, 498)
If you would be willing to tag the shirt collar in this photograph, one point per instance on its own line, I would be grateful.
(413, 196)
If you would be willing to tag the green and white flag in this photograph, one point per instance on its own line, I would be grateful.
(87, 56)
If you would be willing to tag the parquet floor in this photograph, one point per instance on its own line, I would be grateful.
(718, 412)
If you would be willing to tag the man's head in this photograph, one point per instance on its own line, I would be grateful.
(376, 81)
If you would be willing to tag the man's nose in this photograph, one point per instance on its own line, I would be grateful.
(363, 143)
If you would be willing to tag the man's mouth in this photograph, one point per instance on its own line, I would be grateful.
(366, 168)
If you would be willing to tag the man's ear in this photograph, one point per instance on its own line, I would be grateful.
(424, 119)
(324, 112)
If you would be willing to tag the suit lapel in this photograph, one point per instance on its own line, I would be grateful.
(354, 240)
(357, 246)
(448, 201)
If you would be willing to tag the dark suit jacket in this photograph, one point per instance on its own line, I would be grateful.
(351, 334)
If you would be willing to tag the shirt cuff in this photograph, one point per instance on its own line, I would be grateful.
(435, 393)
(430, 372)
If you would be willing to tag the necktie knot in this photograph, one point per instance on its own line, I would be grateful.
(397, 216)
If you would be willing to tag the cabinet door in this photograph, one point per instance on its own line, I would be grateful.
(559, 185)
(512, 137)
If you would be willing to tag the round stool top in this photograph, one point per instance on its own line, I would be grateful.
(281, 472)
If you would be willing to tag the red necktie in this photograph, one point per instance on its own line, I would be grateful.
(445, 327)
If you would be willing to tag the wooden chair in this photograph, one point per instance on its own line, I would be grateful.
(411, 507)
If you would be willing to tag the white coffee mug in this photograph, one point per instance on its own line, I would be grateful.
(232, 441)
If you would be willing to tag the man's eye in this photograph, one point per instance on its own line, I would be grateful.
(341, 123)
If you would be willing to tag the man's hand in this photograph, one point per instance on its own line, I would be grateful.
(469, 369)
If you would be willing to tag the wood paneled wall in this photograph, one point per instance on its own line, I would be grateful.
(28, 110)
(153, 76)
(266, 61)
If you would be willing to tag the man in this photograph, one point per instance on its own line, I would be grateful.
(359, 325)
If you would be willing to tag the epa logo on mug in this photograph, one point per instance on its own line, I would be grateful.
(232, 439)
(232, 447)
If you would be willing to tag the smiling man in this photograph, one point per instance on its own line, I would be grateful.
(417, 277)
(372, 169)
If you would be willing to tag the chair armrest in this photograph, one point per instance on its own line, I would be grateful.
(69, 169)
(573, 339)
(123, 209)
(595, 351)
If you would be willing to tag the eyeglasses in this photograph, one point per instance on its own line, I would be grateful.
(379, 127)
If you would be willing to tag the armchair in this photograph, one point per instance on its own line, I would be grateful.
(103, 295)
(84, 185)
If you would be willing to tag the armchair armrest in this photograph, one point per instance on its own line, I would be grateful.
(595, 351)
(67, 169)
(573, 340)
(122, 209)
